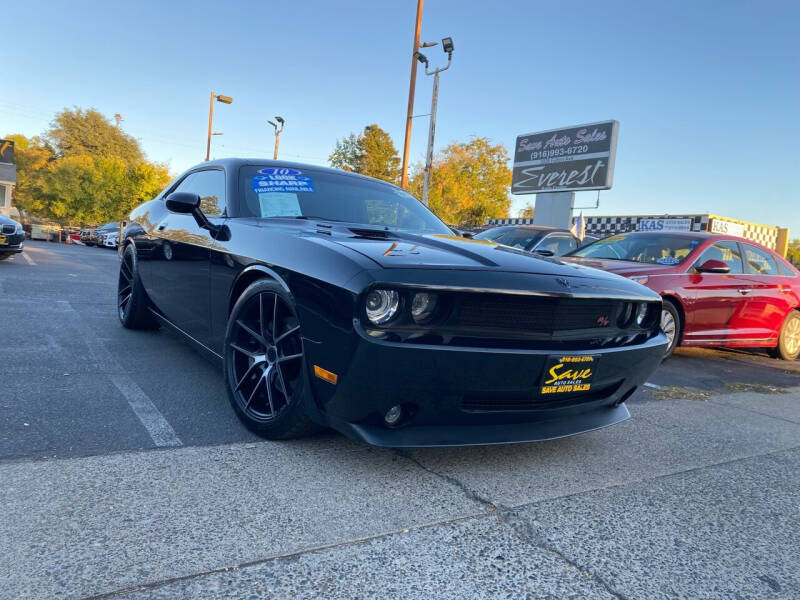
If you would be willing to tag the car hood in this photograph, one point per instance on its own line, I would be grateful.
(626, 268)
(4, 220)
(438, 251)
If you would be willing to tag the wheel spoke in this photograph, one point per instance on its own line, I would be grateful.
(247, 374)
(255, 335)
(262, 312)
(289, 357)
(253, 393)
(243, 350)
(286, 334)
(125, 290)
(268, 384)
(283, 383)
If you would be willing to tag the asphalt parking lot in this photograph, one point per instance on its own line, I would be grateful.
(125, 474)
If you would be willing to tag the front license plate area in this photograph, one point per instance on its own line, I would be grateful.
(2, 240)
(565, 375)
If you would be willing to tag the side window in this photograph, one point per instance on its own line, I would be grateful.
(559, 244)
(210, 186)
(727, 252)
(785, 271)
(759, 262)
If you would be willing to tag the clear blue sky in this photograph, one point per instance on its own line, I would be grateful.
(707, 93)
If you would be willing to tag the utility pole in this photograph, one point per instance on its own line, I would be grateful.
(277, 134)
(447, 46)
(411, 86)
(218, 98)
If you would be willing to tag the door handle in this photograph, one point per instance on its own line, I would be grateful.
(743, 291)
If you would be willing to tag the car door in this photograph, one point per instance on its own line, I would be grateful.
(558, 243)
(179, 265)
(767, 302)
(717, 301)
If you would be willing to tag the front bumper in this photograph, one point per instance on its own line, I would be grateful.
(466, 396)
(12, 243)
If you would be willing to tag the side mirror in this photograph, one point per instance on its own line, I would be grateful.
(183, 203)
(467, 234)
(186, 203)
(713, 266)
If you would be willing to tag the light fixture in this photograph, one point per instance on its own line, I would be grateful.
(421, 58)
(641, 314)
(423, 305)
(382, 305)
(279, 120)
(224, 99)
(447, 45)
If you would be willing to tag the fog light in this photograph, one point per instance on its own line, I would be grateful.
(393, 415)
(422, 306)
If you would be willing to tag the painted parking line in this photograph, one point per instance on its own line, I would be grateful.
(157, 427)
(28, 259)
(161, 432)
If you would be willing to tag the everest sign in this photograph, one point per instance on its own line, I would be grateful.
(565, 160)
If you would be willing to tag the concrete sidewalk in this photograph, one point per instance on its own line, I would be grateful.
(687, 499)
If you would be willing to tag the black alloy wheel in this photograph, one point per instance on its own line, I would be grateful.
(132, 305)
(264, 363)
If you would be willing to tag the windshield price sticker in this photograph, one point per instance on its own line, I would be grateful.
(568, 374)
(281, 181)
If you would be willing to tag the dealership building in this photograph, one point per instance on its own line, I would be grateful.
(8, 175)
(776, 238)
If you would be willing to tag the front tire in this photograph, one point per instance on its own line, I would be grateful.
(131, 297)
(788, 347)
(265, 367)
(671, 325)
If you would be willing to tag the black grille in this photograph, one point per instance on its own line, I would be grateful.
(9, 228)
(536, 313)
(517, 403)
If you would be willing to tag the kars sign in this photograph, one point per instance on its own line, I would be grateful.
(565, 160)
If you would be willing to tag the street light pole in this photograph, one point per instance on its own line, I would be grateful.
(277, 134)
(218, 98)
(411, 86)
(447, 46)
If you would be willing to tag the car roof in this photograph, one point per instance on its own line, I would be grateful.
(540, 228)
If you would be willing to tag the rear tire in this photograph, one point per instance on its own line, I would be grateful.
(788, 347)
(265, 364)
(132, 304)
(671, 325)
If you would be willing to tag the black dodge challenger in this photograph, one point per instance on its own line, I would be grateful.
(333, 299)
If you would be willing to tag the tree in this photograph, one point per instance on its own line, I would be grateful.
(31, 157)
(469, 182)
(83, 170)
(76, 132)
(371, 153)
(527, 211)
(793, 252)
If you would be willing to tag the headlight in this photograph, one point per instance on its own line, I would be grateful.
(641, 314)
(640, 279)
(381, 306)
(423, 306)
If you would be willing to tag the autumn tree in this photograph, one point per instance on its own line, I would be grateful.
(76, 132)
(370, 153)
(83, 170)
(469, 182)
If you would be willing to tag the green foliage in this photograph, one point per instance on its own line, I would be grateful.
(370, 153)
(793, 252)
(76, 132)
(83, 171)
(469, 182)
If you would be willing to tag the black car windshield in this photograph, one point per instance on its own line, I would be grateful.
(516, 237)
(666, 249)
(270, 192)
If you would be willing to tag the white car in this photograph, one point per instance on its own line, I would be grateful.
(108, 239)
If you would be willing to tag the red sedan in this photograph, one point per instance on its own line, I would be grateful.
(718, 290)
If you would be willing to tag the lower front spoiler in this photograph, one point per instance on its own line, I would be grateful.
(477, 435)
